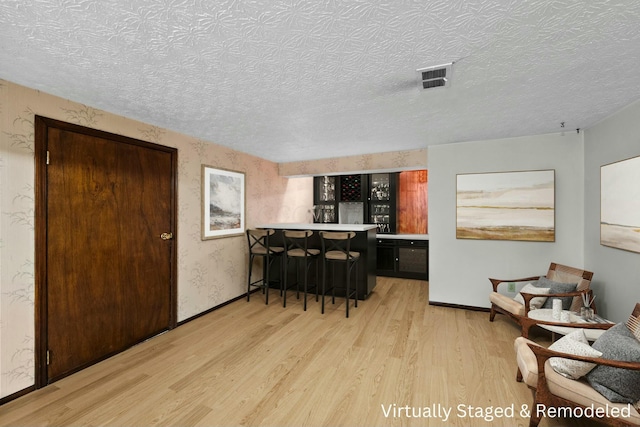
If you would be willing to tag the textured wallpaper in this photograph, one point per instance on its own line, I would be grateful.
(390, 161)
(209, 272)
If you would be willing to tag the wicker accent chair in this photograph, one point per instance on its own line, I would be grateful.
(504, 304)
(553, 390)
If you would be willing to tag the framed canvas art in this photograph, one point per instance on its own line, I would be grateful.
(620, 205)
(506, 206)
(223, 203)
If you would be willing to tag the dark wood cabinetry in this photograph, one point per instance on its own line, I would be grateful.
(325, 200)
(403, 258)
(381, 206)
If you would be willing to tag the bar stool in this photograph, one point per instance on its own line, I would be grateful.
(297, 248)
(259, 246)
(336, 248)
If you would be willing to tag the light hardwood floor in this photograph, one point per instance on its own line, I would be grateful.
(251, 364)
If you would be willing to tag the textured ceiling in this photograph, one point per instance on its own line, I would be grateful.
(303, 79)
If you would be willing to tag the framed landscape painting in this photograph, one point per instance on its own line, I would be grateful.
(506, 206)
(223, 203)
(620, 205)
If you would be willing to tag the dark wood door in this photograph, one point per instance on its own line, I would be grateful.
(108, 271)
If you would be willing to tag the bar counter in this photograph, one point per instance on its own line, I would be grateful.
(363, 242)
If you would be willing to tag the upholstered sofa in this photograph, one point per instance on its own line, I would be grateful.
(576, 393)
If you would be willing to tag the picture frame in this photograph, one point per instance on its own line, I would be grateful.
(223, 203)
(516, 205)
(620, 204)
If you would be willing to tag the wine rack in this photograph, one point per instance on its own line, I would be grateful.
(351, 188)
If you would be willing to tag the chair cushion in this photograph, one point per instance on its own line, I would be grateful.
(574, 343)
(300, 252)
(527, 362)
(617, 385)
(582, 393)
(556, 288)
(261, 250)
(338, 255)
(532, 289)
(506, 303)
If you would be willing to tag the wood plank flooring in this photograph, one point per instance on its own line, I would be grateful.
(251, 364)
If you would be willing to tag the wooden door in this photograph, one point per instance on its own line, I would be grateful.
(108, 279)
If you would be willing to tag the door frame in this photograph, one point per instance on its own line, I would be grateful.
(41, 130)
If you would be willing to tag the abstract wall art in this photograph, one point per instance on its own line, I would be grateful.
(620, 205)
(506, 206)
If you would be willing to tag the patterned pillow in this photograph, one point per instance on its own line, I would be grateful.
(531, 289)
(557, 288)
(574, 343)
(616, 384)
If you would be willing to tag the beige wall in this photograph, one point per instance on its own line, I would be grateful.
(391, 161)
(209, 272)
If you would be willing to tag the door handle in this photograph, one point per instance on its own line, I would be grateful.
(166, 236)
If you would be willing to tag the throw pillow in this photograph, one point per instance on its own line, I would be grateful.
(535, 302)
(574, 343)
(557, 288)
(616, 384)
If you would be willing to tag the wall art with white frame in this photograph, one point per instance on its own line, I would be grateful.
(620, 204)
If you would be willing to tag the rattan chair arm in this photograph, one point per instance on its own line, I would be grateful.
(543, 354)
(496, 282)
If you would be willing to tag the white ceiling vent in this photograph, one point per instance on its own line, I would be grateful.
(438, 76)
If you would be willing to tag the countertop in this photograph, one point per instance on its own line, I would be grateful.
(318, 226)
(403, 236)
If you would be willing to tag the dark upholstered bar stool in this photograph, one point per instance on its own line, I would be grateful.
(336, 248)
(297, 249)
(259, 247)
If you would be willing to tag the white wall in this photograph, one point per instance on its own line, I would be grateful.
(616, 272)
(459, 269)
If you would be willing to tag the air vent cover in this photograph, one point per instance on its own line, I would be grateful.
(435, 77)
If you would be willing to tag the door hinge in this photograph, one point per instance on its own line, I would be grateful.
(48, 357)
(47, 156)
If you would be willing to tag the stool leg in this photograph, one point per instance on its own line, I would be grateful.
(355, 267)
(306, 275)
(285, 270)
(297, 262)
(249, 278)
(348, 296)
(324, 281)
(265, 280)
(317, 274)
(333, 279)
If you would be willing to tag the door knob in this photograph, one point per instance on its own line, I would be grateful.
(166, 236)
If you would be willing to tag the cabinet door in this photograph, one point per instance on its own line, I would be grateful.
(386, 258)
(413, 260)
(324, 199)
(382, 202)
(324, 189)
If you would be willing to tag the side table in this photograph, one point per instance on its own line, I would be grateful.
(544, 318)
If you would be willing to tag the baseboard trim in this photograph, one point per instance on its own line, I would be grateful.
(459, 306)
(239, 297)
(17, 394)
